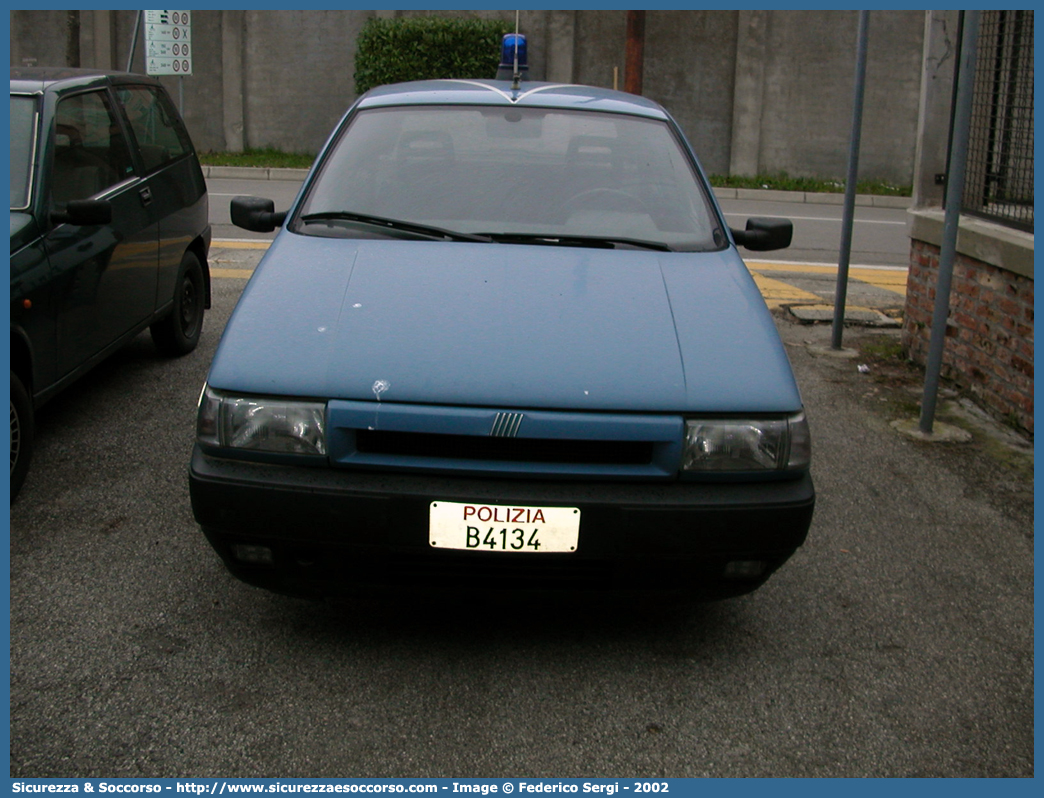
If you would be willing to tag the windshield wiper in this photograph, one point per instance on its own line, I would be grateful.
(394, 224)
(600, 242)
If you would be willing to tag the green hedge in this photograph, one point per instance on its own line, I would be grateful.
(423, 48)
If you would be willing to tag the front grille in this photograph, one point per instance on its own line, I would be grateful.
(503, 443)
(515, 450)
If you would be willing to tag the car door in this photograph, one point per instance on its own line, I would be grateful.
(171, 172)
(33, 312)
(105, 274)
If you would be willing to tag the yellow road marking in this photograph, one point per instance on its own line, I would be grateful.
(242, 274)
(225, 244)
(776, 292)
(889, 279)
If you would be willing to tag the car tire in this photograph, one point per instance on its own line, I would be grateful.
(22, 426)
(178, 333)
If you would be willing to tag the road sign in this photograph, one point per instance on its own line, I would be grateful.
(168, 42)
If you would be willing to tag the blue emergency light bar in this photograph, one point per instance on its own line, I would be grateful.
(512, 45)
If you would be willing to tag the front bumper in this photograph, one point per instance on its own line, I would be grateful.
(332, 531)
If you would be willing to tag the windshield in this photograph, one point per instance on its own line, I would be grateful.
(512, 171)
(23, 148)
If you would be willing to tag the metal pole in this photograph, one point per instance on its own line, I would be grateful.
(841, 290)
(951, 224)
(134, 41)
(635, 52)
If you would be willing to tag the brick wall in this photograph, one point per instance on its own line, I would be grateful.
(989, 335)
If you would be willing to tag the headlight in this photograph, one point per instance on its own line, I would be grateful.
(263, 424)
(776, 444)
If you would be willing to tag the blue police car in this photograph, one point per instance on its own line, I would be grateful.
(503, 338)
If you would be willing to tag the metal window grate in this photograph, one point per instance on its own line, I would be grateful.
(998, 181)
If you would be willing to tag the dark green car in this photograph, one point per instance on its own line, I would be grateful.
(109, 231)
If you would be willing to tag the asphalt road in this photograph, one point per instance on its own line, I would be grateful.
(879, 236)
(897, 642)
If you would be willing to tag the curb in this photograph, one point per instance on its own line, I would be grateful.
(253, 173)
(812, 197)
(762, 195)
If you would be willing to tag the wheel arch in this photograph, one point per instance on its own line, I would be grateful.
(22, 358)
(199, 247)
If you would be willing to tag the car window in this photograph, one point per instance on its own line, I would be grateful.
(23, 148)
(533, 171)
(161, 137)
(90, 151)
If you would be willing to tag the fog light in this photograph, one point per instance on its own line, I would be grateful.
(744, 569)
(253, 555)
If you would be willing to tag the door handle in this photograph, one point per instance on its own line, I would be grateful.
(146, 195)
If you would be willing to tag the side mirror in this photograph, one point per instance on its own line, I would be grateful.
(256, 214)
(84, 213)
(762, 234)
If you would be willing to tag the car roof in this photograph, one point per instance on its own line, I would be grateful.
(37, 79)
(501, 93)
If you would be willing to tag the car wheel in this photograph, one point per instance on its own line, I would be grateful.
(178, 333)
(21, 434)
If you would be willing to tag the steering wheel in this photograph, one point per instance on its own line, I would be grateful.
(605, 199)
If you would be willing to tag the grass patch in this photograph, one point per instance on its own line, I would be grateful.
(889, 366)
(882, 347)
(784, 182)
(268, 158)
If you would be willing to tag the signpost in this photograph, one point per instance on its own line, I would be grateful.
(168, 47)
(168, 42)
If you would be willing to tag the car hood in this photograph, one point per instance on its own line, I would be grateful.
(505, 326)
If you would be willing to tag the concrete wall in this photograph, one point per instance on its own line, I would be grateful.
(941, 44)
(39, 38)
(279, 111)
(755, 91)
(807, 97)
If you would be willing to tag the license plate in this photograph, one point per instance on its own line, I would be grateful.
(495, 527)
